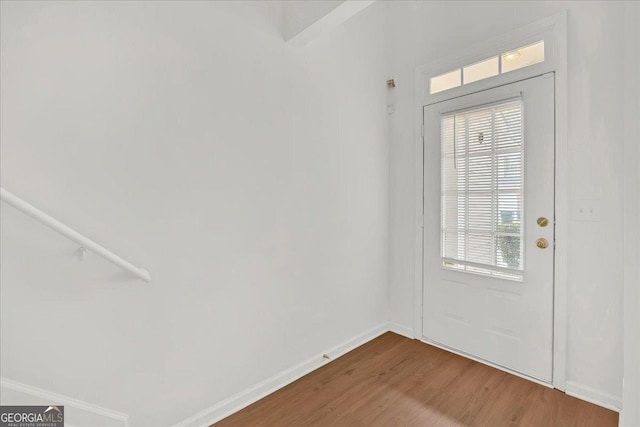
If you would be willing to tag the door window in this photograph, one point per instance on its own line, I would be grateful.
(482, 189)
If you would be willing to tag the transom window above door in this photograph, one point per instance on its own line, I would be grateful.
(482, 189)
(509, 61)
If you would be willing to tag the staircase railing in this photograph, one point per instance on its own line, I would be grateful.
(85, 243)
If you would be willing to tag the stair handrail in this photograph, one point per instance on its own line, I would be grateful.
(86, 244)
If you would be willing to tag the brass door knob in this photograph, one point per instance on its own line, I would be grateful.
(542, 243)
(542, 221)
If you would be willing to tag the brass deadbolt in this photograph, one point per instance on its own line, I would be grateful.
(542, 221)
(542, 243)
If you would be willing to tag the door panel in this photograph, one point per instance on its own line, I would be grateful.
(484, 310)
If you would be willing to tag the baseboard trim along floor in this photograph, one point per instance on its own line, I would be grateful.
(394, 380)
(243, 399)
(594, 396)
(80, 413)
(77, 412)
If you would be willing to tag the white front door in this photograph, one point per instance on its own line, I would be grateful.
(489, 225)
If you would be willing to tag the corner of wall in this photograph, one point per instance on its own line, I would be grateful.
(403, 330)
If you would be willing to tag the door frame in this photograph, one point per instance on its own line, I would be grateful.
(553, 30)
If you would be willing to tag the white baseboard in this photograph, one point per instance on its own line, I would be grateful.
(399, 329)
(76, 412)
(591, 395)
(243, 399)
(80, 413)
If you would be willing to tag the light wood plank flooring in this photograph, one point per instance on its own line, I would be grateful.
(396, 381)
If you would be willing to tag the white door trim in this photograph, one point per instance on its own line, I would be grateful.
(553, 30)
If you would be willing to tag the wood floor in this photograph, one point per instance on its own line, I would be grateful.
(396, 381)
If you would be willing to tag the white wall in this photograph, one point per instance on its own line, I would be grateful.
(298, 15)
(249, 177)
(421, 32)
(630, 415)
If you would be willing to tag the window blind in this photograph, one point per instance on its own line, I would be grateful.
(482, 189)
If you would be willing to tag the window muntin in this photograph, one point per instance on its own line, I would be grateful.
(482, 189)
(509, 61)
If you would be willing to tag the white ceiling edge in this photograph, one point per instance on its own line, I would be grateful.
(331, 20)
